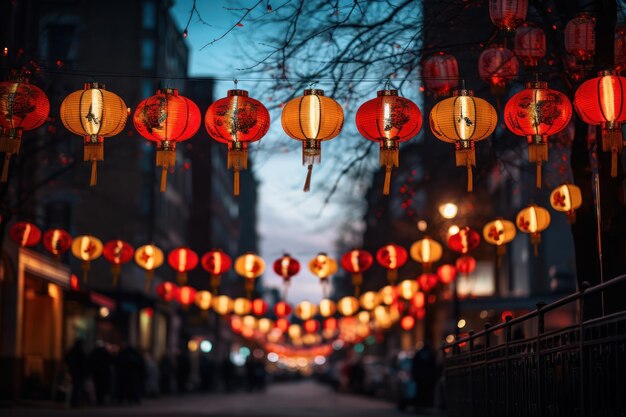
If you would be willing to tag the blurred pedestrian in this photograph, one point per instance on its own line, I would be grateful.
(76, 362)
(129, 369)
(100, 363)
(151, 379)
(424, 372)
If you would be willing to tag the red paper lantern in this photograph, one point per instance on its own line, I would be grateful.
(388, 119)
(508, 14)
(117, 252)
(236, 324)
(25, 234)
(620, 48)
(392, 257)
(258, 307)
(237, 120)
(282, 324)
(440, 73)
(167, 291)
(311, 326)
(418, 300)
(186, 296)
(286, 267)
(356, 262)
(427, 281)
(282, 309)
(216, 262)
(57, 241)
(537, 112)
(330, 324)
(580, 37)
(446, 273)
(23, 106)
(466, 264)
(407, 323)
(497, 65)
(464, 241)
(167, 118)
(601, 101)
(182, 260)
(530, 44)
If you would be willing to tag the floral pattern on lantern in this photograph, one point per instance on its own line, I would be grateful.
(497, 66)
(530, 44)
(312, 118)
(533, 220)
(57, 242)
(117, 252)
(537, 112)
(356, 262)
(392, 257)
(86, 248)
(426, 251)
(440, 73)
(182, 260)
(580, 37)
(237, 120)
(250, 266)
(149, 258)
(508, 14)
(389, 120)
(499, 232)
(25, 234)
(566, 198)
(216, 262)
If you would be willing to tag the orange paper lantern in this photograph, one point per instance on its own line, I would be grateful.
(499, 232)
(86, 248)
(446, 273)
(566, 198)
(186, 296)
(426, 251)
(149, 258)
(250, 266)
(533, 220)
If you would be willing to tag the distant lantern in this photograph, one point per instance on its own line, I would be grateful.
(391, 257)
(149, 258)
(389, 120)
(25, 234)
(323, 266)
(311, 326)
(222, 305)
(186, 296)
(282, 309)
(407, 288)
(530, 44)
(426, 251)
(258, 307)
(117, 252)
(407, 323)
(574, 70)
(499, 232)
(440, 73)
(419, 300)
(348, 306)
(427, 281)
(566, 198)
(216, 263)
(305, 310)
(508, 14)
(250, 266)
(182, 260)
(286, 267)
(463, 120)
(203, 300)
(312, 118)
(537, 112)
(388, 294)
(369, 300)
(167, 291)
(602, 101)
(580, 37)
(465, 264)
(620, 48)
(23, 106)
(237, 120)
(497, 66)
(326, 307)
(282, 325)
(447, 273)
(533, 220)
(167, 118)
(242, 306)
(57, 242)
(294, 331)
(356, 262)
(464, 241)
(86, 248)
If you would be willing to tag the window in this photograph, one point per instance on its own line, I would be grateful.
(149, 15)
(148, 52)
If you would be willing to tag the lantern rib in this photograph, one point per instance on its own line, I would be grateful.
(80, 119)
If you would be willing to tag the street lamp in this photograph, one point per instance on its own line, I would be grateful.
(448, 210)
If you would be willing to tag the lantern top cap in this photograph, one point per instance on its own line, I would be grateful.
(19, 76)
(537, 84)
(313, 92)
(95, 85)
(381, 93)
(463, 92)
(608, 72)
(585, 14)
(173, 91)
(237, 93)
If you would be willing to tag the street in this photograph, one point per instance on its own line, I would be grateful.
(298, 399)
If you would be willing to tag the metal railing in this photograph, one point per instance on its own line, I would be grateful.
(574, 370)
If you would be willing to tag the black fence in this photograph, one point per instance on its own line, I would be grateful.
(538, 365)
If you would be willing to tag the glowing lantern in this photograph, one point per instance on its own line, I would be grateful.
(236, 324)
(508, 14)
(537, 112)
(463, 120)
(392, 257)
(311, 326)
(427, 281)
(575, 70)
(282, 325)
(249, 322)
(499, 232)
(464, 241)
(388, 294)
(327, 307)
(305, 310)
(426, 251)
(294, 331)
(118, 253)
(419, 299)
(242, 306)
(447, 273)
(440, 73)
(265, 325)
(530, 44)
(407, 288)
(533, 220)
(57, 242)
(620, 48)
(601, 101)
(286, 267)
(363, 317)
(186, 296)
(369, 300)
(566, 198)
(86, 248)
(222, 304)
(348, 306)
(167, 291)
(323, 266)
(249, 266)
(237, 120)
(167, 118)
(149, 258)
(258, 307)
(94, 113)
(216, 262)
(330, 324)
(388, 119)
(23, 106)
(203, 300)
(25, 234)
(580, 37)
(182, 260)
(356, 262)
(282, 309)
(407, 323)
(497, 66)
(312, 119)
(466, 264)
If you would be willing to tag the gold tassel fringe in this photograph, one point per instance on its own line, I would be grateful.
(535, 239)
(538, 153)
(10, 143)
(85, 267)
(236, 182)
(249, 287)
(392, 276)
(215, 283)
(387, 183)
(307, 182)
(149, 276)
(357, 281)
(181, 277)
(612, 142)
(5, 168)
(116, 274)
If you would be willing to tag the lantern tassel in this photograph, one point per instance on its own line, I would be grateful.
(181, 277)
(613, 163)
(215, 283)
(94, 173)
(5, 168)
(470, 178)
(538, 177)
(116, 275)
(236, 182)
(85, 267)
(537, 153)
(307, 182)
(571, 216)
(612, 141)
(249, 287)
(387, 184)
(163, 178)
(535, 239)
(392, 276)
(357, 280)
(149, 275)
